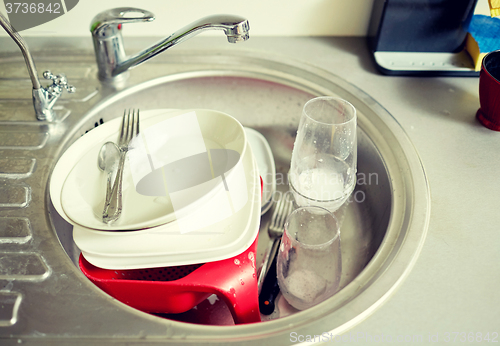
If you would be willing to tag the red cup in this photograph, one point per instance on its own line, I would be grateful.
(489, 91)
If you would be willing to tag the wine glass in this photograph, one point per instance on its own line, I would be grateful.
(309, 260)
(324, 157)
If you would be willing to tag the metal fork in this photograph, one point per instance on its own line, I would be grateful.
(282, 209)
(129, 129)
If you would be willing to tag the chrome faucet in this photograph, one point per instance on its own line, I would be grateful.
(43, 98)
(108, 41)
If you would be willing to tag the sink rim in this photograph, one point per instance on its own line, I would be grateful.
(398, 251)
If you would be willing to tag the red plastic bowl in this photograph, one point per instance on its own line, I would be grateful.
(179, 289)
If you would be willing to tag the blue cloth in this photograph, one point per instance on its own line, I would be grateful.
(486, 32)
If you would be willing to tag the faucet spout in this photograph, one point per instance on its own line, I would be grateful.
(236, 29)
(110, 56)
(30, 64)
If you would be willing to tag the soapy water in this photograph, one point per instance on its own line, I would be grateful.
(322, 177)
(304, 286)
(318, 184)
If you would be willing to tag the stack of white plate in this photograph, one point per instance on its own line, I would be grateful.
(266, 166)
(209, 224)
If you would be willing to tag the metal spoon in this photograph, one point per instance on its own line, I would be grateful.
(107, 161)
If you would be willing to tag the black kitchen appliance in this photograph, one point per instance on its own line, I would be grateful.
(421, 37)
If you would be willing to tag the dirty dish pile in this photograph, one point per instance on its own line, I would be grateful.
(191, 197)
(197, 222)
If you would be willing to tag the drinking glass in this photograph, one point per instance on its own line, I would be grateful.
(324, 157)
(309, 260)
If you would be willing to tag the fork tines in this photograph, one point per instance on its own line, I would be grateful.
(130, 126)
(282, 210)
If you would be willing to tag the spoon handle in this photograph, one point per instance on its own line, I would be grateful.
(113, 205)
(108, 188)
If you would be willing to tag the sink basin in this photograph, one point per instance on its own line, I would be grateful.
(383, 226)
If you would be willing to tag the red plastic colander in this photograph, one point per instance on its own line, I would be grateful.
(179, 289)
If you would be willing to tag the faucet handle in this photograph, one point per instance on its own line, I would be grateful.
(110, 19)
(59, 82)
(45, 98)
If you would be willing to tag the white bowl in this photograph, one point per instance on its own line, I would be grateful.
(77, 186)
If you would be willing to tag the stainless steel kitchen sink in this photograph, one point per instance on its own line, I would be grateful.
(46, 298)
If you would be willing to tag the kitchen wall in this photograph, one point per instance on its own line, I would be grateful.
(266, 17)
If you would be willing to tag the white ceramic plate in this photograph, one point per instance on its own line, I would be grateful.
(165, 246)
(80, 199)
(265, 163)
